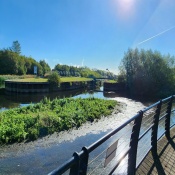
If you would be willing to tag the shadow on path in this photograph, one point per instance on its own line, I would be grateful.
(162, 162)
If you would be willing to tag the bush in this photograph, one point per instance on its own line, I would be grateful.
(54, 79)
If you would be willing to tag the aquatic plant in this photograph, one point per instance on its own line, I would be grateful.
(47, 117)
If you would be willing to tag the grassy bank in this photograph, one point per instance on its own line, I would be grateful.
(46, 117)
(73, 79)
(38, 79)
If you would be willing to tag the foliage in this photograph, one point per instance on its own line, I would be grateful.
(45, 66)
(65, 70)
(54, 79)
(12, 62)
(46, 117)
(16, 47)
(148, 73)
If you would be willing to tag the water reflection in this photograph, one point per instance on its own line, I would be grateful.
(13, 100)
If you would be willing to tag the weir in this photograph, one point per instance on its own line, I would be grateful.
(125, 149)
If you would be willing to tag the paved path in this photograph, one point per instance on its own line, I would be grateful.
(163, 162)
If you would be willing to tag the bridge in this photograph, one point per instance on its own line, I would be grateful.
(145, 144)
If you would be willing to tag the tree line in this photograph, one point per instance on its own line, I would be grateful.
(12, 62)
(65, 70)
(148, 73)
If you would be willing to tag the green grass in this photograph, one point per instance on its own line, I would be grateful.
(46, 117)
(111, 81)
(73, 79)
(30, 80)
(37, 79)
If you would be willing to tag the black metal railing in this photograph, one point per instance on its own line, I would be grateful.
(123, 149)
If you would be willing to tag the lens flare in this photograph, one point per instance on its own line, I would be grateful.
(125, 8)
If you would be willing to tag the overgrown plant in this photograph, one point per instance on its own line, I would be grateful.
(46, 117)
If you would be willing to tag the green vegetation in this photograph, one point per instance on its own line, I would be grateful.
(148, 73)
(36, 79)
(54, 79)
(32, 78)
(65, 70)
(46, 117)
(12, 62)
(74, 79)
(15, 78)
(112, 81)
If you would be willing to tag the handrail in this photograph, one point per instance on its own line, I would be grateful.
(78, 163)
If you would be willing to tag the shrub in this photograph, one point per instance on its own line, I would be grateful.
(54, 79)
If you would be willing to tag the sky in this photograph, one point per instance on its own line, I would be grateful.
(92, 33)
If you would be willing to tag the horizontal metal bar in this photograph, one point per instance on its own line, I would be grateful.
(68, 164)
(64, 167)
(165, 99)
(145, 132)
(172, 125)
(107, 136)
(161, 136)
(144, 157)
(162, 117)
(121, 158)
(148, 108)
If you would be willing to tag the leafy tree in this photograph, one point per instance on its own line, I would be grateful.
(16, 47)
(45, 66)
(148, 73)
(54, 79)
(8, 62)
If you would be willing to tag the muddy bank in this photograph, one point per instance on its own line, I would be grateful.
(43, 155)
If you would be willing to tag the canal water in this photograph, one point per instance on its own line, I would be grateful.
(13, 100)
(45, 154)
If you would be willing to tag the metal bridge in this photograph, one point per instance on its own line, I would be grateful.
(135, 147)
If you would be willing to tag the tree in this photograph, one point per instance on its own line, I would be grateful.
(45, 66)
(8, 62)
(148, 73)
(54, 79)
(16, 47)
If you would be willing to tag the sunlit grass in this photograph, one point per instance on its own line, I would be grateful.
(31, 80)
(73, 79)
(112, 81)
(62, 79)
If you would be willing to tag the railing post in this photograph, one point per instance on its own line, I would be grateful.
(155, 127)
(84, 161)
(132, 155)
(75, 168)
(167, 118)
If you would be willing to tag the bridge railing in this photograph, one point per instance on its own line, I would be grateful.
(123, 149)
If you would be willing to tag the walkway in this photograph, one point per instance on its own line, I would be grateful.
(163, 162)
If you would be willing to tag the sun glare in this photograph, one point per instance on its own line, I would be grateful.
(125, 8)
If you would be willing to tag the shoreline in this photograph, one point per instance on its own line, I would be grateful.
(101, 125)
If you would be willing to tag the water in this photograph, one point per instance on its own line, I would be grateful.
(14, 100)
(45, 154)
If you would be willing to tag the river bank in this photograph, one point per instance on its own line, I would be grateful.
(45, 154)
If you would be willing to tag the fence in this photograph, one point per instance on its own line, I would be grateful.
(123, 149)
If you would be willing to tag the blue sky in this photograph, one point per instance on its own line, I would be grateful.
(93, 33)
